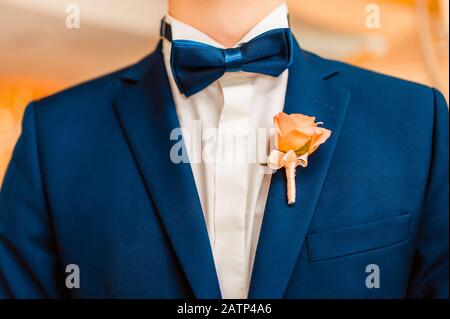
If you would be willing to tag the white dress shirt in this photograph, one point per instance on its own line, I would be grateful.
(232, 192)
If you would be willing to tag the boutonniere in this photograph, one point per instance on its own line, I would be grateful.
(297, 137)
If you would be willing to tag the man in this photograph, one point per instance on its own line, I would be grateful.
(93, 185)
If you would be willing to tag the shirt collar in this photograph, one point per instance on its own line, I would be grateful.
(278, 18)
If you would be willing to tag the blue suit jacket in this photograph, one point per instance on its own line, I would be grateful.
(91, 183)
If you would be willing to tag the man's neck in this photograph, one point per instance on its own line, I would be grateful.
(225, 21)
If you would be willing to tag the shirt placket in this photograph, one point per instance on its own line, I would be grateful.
(231, 183)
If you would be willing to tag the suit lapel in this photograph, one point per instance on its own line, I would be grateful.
(284, 228)
(147, 114)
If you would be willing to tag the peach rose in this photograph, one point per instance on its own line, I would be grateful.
(299, 133)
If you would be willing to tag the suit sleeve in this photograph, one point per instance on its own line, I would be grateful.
(28, 263)
(430, 272)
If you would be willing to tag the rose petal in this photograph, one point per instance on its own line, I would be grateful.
(284, 124)
(295, 140)
(308, 130)
(319, 139)
(303, 120)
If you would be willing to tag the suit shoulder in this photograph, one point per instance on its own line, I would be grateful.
(349, 74)
(81, 93)
(374, 88)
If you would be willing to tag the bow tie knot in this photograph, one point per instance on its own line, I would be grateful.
(196, 65)
(233, 60)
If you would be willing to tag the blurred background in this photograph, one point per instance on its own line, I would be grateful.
(39, 55)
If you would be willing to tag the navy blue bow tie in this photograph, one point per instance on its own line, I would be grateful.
(196, 65)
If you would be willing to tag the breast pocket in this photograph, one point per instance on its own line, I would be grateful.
(358, 239)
